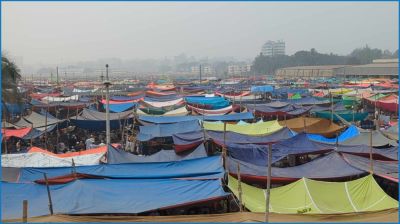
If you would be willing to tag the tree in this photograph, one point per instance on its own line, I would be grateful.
(10, 75)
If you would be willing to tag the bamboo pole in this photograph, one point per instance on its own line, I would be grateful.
(267, 198)
(224, 149)
(371, 162)
(48, 194)
(239, 188)
(45, 127)
(25, 211)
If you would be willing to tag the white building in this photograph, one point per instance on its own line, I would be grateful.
(205, 70)
(239, 69)
(272, 48)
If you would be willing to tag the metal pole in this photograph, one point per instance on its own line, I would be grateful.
(267, 197)
(107, 85)
(48, 194)
(25, 211)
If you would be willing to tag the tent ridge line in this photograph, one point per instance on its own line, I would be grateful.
(309, 195)
(349, 197)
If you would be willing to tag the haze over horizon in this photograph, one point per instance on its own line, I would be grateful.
(50, 33)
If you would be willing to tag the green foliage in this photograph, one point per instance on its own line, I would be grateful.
(10, 75)
(269, 64)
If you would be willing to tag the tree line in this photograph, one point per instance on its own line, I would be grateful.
(269, 64)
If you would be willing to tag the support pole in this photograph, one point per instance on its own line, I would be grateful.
(371, 162)
(107, 85)
(239, 188)
(25, 211)
(267, 197)
(224, 149)
(48, 194)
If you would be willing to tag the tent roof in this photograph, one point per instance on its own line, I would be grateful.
(317, 197)
(166, 130)
(261, 128)
(202, 168)
(385, 169)
(330, 166)
(117, 156)
(107, 196)
(174, 119)
(312, 126)
(378, 139)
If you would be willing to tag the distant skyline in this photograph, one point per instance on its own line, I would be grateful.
(49, 33)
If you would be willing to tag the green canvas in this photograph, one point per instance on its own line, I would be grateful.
(307, 196)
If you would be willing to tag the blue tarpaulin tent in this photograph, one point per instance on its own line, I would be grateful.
(213, 102)
(107, 196)
(350, 132)
(205, 168)
(166, 130)
(262, 89)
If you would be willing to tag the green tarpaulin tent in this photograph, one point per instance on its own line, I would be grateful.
(348, 115)
(307, 196)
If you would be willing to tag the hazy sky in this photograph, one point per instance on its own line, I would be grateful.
(63, 32)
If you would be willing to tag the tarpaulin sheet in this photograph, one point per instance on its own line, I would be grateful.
(167, 120)
(161, 98)
(166, 130)
(39, 159)
(206, 112)
(261, 128)
(378, 139)
(262, 89)
(312, 126)
(317, 197)
(95, 115)
(348, 115)
(336, 107)
(307, 101)
(385, 169)
(38, 121)
(19, 133)
(60, 99)
(202, 168)
(301, 144)
(285, 90)
(254, 154)
(99, 125)
(117, 108)
(349, 133)
(265, 109)
(14, 108)
(392, 132)
(117, 156)
(365, 150)
(101, 149)
(164, 103)
(330, 166)
(214, 102)
(107, 196)
(182, 111)
(127, 98)
(232, 137)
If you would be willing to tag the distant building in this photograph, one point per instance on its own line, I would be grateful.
(239, 69)
(380, 68)
(205, 70)
(272, 48)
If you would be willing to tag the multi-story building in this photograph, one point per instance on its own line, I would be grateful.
(205, 70)
(272, 48)
(239, 69)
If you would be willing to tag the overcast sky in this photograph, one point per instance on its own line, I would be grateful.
(50, 33)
